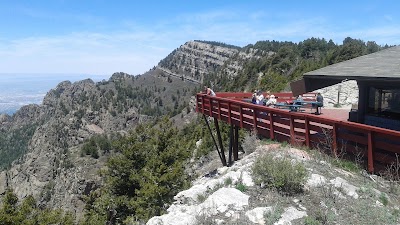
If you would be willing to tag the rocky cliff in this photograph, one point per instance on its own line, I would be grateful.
(51, 166)
(330, 194)
(196, 59)
(46, 140)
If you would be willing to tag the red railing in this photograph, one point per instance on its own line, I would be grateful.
(378, 147)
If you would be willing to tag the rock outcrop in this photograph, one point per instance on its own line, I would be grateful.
(328, 192)
(343, 95)
(52, 167)
(196, 59)
(52, 170)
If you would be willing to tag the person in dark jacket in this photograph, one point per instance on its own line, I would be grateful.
(320, 103)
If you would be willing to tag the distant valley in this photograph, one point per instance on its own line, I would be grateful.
(17, 90)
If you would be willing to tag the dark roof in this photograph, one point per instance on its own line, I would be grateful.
(382, 64)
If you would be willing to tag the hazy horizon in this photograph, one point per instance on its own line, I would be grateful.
(19, 89)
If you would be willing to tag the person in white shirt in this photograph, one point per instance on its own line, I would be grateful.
(209, 91)
(271, 101)
(260, 98)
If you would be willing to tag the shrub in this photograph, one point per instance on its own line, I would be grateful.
(279, 173)
(241, 187)
(250, 142)
(311, 221)
(384, 199)
(228, 181)
(90, 148)
(270, 217)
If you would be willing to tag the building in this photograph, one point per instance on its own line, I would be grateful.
(378, 79)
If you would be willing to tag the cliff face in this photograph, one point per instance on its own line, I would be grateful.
(53, 170)
(51, 166)
(196, 59)
(46, 140)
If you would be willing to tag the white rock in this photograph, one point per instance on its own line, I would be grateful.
(176, 218)
(315, 180)
(256, 215)
(348, 94)
(198, 143)
(222, 170)
(219, 221)
(378, 203)
(223, 199)
(348, 189)
(229, 213)
(290, 214)
(246, 179)
(190, 195)
(235, 176)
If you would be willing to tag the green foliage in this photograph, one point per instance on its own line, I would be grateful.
(47, 191)
(145, 174)
(201, 198)
(270, 217)
(14, 143)
(309, 220)
(279, 173)
(241, 187)
(346, 164)
(228, 181)
(27, 212)
(279, 63)
(383, 199)
(90, 148)
(94, 144)
(273, 82)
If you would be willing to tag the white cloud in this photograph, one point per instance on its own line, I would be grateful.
(134, 48)
(82, 53)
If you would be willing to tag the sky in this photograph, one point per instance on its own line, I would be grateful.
(102, 36)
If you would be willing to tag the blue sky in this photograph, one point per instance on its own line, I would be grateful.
(103, 36)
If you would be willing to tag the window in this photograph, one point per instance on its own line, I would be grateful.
(384, 102)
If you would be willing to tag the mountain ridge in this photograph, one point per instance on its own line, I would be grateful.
(46, 140)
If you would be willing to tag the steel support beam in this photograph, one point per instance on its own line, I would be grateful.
(221, 156)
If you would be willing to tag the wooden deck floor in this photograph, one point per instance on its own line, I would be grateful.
(337, 114)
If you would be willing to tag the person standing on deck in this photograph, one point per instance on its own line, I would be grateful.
(320, 103)
(260, 98)
(209, 91)
(254, 97)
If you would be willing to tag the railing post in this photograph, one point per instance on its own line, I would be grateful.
(307, 131)
(229, 113)
(219, 110)
(241, 116)
(211, 107)
(334, 139)
(202, 104)
(271, 126)
(292, 134)
(370, 153)
(255, 119)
